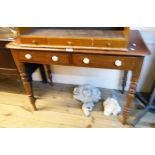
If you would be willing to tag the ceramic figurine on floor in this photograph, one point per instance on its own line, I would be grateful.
(88, 95)
(111, 106)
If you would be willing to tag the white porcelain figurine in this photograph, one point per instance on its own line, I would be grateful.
(111, 107)
(88, 95)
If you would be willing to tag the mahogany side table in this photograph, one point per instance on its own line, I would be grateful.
(109, 59)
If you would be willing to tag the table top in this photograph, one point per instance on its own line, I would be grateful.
(75, 33)
(136, 47)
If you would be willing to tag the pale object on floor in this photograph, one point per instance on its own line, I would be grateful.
(88, 95)
(111, 107)
(87, 108)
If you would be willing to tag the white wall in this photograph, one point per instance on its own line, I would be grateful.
(148, 72)
(108, 78)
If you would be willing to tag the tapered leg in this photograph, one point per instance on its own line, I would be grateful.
(43, 74)
(49, 72)
(27, 84)
(124, 81)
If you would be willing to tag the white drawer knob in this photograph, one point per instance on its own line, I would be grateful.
(34, 42)
(28, 56)
(109, 44)
(118, 63)
(55, 58)
(86, 60)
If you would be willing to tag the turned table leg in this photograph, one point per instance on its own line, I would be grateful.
(124, 81)
(27, 84)
(49, 72)
(132, 89)
(129, 100)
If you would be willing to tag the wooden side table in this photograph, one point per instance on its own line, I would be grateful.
(109, 59)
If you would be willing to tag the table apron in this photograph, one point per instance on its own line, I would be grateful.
(75, 59)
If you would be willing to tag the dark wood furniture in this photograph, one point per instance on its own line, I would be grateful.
(7, 65)
(132, 59)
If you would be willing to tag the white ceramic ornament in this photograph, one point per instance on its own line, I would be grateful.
(111, 107)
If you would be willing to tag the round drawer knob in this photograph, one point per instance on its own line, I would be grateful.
(86, 60)
(69, 43)
(34, 42)
(28, 56)
(108, 44)
(118, 63)
(55, 58)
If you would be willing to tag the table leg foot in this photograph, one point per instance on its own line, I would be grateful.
(32, 101)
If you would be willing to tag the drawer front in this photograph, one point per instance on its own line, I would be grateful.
(113, 62)
(110, 43)
(43, 57)
(69, 42)
(82, 42)
(34, 40)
